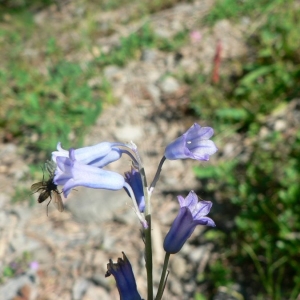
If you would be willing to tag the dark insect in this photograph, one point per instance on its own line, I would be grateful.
(48, 188)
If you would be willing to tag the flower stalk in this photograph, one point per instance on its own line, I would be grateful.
(163, 277)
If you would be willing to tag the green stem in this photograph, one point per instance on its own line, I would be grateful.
(162, 282)
(148, 239)
(147, 231)
(149, 264)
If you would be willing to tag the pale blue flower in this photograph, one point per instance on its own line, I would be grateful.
(194, 144)
(98, 155)
(71, 173)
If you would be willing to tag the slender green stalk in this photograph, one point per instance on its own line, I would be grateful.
(148, 238)
(148, 254)
(147, 231)
(162, 282)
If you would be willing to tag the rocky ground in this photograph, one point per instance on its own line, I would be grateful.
(72, 248)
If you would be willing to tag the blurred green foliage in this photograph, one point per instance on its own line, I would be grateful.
(24, 4)
(52, 106)
(44, 100)
(49, 99)
(263, 187)
(130, 47)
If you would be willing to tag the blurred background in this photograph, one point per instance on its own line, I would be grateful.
(80, 72)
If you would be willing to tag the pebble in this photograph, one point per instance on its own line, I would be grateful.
(149, 55)
(280, 125)
(169, 85)
(129, 133)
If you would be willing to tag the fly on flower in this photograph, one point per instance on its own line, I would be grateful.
(48, 188)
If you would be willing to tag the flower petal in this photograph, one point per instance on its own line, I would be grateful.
(201, 209)
(71, 173)
(190, 200)
(123, 274)
(194, 143)
(191, 214)
(181, 229)
(196, 132)
(206, 221)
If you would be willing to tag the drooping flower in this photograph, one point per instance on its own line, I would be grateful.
(134, 179)
(123, 274)
(192, 213)
(194, 144)
(71, 173)
(98, 155)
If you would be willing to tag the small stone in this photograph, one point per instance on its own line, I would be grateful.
(129, 133)
(280, 125)
(148, 55)
(169, 85)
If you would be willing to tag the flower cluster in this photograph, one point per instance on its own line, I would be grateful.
(86, 167)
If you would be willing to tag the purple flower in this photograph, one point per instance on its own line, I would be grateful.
(191, 214)
(71, 173)
(98, 155)
(193, 144)
(124, 277)
(134, 179)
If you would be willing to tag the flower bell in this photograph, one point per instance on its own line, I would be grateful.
(194, 144)
(98, 155)
(122, 271)
(191, 214)
(134, 179)
(71, 173)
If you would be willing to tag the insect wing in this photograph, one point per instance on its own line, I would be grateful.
(57, 201)
(50, 167)
(37, 186)
(43, 196)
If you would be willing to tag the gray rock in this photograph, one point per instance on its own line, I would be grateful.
(169, 85)
(148, 55)
(129, 133)
(94, 205)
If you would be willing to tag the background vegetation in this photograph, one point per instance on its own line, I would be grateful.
(261, 249)
(260, 192)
